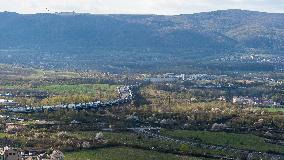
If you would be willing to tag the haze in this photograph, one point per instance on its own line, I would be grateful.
(165, 7)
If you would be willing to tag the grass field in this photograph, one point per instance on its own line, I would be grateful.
(243, 141)
(122, 153)
(24, 73)
(131, 139)
(79, 89)
(127, 139)
(66, 93)
(273, 109)
(3, 135)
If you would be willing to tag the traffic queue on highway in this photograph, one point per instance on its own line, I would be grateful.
(125, 96)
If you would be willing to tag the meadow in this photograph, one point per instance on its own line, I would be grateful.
(273, 109)
(241, 141)
(133, 140)
(79, 89)
(123, 153)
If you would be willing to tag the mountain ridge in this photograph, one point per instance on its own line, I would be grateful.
(222, 26)
(201, 35)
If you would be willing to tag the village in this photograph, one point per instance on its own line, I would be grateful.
(8, 153)
(48, 118)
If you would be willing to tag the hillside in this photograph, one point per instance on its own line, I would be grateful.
(150, 36)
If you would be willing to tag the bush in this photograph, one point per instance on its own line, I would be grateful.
(184, 148)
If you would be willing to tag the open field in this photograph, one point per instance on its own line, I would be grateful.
(123, 153)
(131, 139)
(57, 94)
(274, 109)
(242, 141)
(16, 72)
(79, 89)
(3, 135)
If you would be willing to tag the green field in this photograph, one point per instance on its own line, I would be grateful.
(131, 139)
(79, 89)
(123, 153)
(3, 135)
(243, 141)
(273, 109)
(127, 138)
(24, 73)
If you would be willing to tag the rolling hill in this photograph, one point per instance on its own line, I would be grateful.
(129, 37)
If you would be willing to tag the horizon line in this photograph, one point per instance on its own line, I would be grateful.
(90, 13)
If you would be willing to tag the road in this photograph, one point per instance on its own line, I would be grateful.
(125, 92)
(148, 132)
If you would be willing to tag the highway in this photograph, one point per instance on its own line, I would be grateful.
(125, 96)
(154, 133)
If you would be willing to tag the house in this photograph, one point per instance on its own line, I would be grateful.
(1, 154)
(222, 98)
(42, 155)
(243, 100)
(7, 102)
(8, 153)
(56, 155)
(14, 127)
(74, 122)
(219, 127)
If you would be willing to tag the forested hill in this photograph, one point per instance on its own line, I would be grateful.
(219, 30)
(218, 40)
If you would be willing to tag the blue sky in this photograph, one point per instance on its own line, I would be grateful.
(167, 7)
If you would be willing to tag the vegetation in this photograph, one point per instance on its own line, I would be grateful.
(134, 140)
(114, 43)
(273, 109)
(122, 153)
(242, 141)
(183, 109)
(78, 93)
(219, 102)
(89, 89)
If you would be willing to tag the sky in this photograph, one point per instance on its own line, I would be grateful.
(162, 7)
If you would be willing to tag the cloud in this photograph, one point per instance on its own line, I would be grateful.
(139, 6)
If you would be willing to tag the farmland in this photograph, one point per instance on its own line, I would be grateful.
(128, 153)
(241, 141)
(79, 89)
(172, 120)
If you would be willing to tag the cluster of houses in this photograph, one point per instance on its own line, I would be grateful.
(167, 77)
(6, 95)
(204, 77)
(8, 153)
(12, 93)
(254, 101)
(125, 92)
(171, 77)
(6, 102)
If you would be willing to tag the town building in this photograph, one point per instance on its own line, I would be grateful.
(6, 102)
(8, 153)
